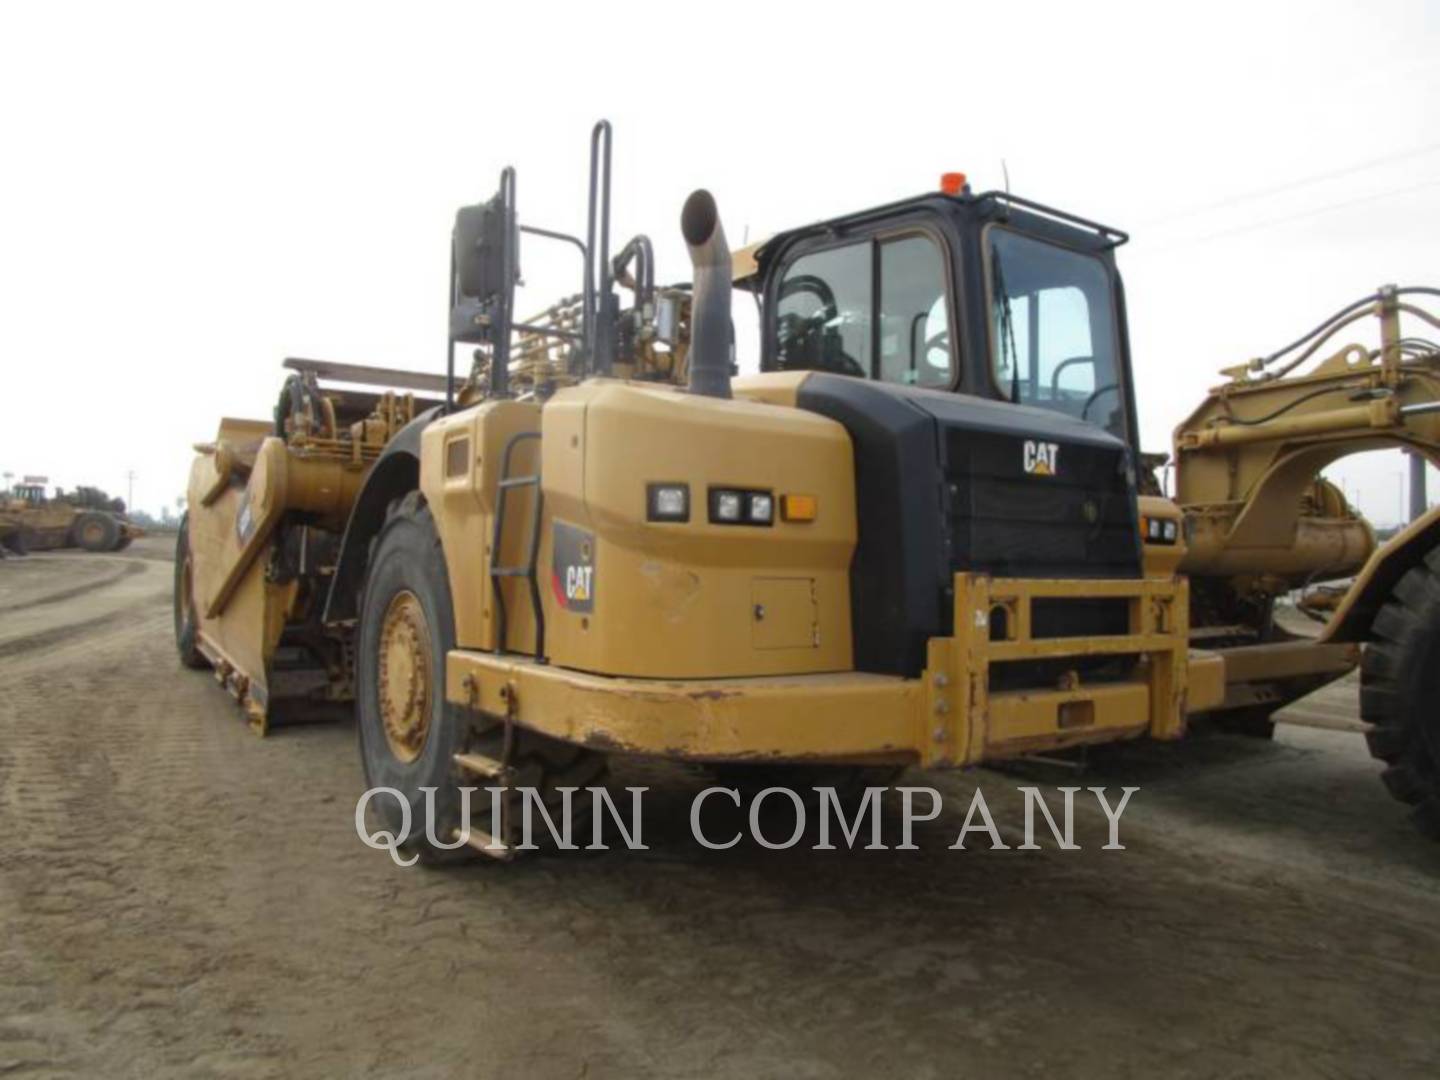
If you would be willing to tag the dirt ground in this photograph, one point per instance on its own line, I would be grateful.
(179, 898)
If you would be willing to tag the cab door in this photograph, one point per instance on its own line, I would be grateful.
(877, 305)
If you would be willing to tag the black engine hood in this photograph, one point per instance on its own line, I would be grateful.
(947, 483)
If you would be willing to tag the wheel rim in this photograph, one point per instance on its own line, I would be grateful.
(92, 532)
(404, 683)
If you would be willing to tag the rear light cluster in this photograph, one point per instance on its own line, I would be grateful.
(670, 502)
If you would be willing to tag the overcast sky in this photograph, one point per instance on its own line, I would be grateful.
(190, 196)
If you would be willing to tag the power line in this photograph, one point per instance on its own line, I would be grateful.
(1291, 185)
(1267, 222)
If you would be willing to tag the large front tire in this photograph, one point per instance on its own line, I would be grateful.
(409, 733)
(1400, 692)
(183, 601)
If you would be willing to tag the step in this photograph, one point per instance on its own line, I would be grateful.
(481, 765)
(486, 844)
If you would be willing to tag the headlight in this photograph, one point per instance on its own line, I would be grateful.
(762, 509)
(668, 502)
(1160, 530)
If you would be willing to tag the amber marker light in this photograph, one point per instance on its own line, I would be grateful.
(799, 507)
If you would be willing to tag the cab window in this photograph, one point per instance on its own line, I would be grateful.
(1053, 329)
(914, 328)
(826, 312)
(822, 319)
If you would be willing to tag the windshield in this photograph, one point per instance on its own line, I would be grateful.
(1053, 341)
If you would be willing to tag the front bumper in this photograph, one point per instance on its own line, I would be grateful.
(949, 716)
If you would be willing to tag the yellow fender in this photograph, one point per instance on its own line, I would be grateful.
(1373, 586)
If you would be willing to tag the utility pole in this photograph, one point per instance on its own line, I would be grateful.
(1417, 485)
(130, 491)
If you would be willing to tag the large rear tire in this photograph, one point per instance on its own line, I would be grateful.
(183, 602)
(1400, 692)
(95, 531)
(409, 734)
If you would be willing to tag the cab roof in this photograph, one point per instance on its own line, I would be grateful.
(748, 263)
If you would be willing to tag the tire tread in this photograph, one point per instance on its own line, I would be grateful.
(1398, 693)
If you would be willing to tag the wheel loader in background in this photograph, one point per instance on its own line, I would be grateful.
(89, 519)
(601, 541)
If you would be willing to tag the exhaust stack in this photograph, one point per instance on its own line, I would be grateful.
(710, 298)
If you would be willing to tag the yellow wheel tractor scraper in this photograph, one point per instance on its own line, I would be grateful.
(900, 543)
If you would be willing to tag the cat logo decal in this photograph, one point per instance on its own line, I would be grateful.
(572, 574)
(1041, 458)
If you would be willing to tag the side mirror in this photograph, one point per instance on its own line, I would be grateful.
(484, 254)
(479, 247)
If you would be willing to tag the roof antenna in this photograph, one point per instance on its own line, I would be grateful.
(1006, 172)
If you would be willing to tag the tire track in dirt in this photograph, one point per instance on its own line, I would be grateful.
(59, 634)
(126, 569)
(57, 625)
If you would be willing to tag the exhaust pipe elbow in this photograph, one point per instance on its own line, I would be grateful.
(710, 296)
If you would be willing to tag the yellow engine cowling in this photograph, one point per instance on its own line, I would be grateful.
(622, 595)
